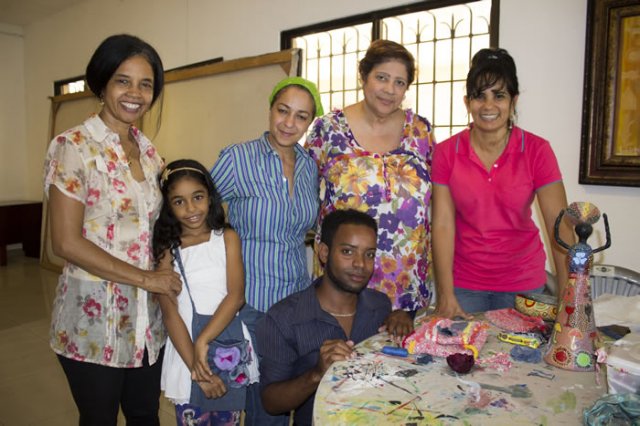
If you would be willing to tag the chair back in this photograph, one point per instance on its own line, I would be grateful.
(610, 279)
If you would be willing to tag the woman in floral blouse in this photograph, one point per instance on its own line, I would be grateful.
(101, 182)
(375, 157)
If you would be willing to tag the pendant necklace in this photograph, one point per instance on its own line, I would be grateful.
(133, 147)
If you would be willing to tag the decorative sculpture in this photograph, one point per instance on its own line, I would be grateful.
(572, 343)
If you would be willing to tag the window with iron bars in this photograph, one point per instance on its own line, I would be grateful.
(443, 36)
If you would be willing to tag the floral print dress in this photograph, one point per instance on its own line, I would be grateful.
(392, 187)
(94, 320)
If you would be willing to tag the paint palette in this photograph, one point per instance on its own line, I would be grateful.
(537, 305)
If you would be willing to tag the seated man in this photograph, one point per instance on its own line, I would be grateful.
(303, 334)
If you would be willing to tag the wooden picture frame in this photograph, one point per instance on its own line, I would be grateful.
(610, 146)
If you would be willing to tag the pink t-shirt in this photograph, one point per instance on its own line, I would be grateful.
(497, 244)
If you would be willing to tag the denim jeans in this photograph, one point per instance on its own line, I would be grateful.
(472, 301)
(255, 415)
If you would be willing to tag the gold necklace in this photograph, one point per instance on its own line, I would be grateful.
(340, 315)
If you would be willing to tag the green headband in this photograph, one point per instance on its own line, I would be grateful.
(299, 81)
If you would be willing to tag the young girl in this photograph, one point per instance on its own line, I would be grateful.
(190, 236)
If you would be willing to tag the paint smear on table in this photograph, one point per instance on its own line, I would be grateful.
(566, 401)
(516, 391)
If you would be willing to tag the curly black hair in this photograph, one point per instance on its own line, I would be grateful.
(167, 229)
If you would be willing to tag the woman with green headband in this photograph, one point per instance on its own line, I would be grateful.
(271, 187)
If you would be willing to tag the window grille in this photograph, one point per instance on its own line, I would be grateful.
(442, 40)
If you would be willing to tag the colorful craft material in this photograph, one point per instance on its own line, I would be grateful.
(443, 337)
(532, 340)
(424, 359)
(460, 363)
(511, 320)
(582, 212)
(392, 350)
(526, 354)
(620, 409)
(540, 305)
(499, 361)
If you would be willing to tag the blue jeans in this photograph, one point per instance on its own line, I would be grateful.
(472, 301)
(255, 414)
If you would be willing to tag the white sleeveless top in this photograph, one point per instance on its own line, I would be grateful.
(205, 265)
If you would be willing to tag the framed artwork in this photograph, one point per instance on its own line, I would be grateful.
(610, 147)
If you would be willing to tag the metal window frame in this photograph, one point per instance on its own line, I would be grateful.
(377, 21)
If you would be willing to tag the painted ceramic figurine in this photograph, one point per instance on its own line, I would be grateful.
(572, 344)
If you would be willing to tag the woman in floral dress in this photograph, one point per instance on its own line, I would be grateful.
(375, 157)
(101, 179)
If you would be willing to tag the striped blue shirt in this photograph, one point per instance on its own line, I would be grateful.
(271, 224)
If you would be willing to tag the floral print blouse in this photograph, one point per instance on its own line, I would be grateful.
(392, 187)
(95, 320)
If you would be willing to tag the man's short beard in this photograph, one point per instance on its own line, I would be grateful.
(337, 283)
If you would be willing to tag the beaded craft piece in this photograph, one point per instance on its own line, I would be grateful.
(572, 343)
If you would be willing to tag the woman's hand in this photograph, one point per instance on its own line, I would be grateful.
(162, 281)
(448, 307)
(214, 388)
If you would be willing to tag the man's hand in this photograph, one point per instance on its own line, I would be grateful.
(398, 324)
(332, 351)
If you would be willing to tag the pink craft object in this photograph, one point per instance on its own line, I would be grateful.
(511, 320)
(443, 337)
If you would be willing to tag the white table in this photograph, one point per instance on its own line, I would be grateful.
(377, 389)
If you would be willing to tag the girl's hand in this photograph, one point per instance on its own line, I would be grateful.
(201, 370)
(214, 388)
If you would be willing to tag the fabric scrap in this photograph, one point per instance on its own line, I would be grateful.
(511, 320)
(443, 337)
(526, 354)
(499, 361)
(614, 409)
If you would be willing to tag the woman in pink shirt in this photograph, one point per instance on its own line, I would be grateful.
(486, 247)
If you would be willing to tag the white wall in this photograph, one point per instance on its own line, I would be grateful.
(546, 37)
(13, 149)
(547, 40)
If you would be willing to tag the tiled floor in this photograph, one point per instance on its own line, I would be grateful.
(33, 388)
